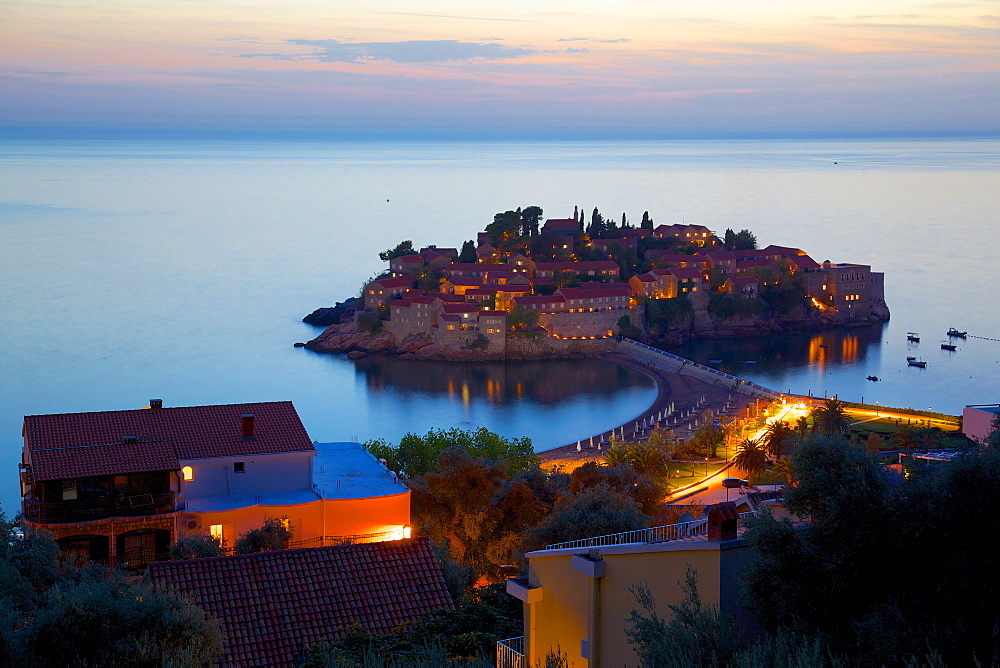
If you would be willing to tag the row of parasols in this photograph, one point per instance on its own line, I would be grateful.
(668, 418)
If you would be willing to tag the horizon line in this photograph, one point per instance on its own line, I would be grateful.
(95, 132)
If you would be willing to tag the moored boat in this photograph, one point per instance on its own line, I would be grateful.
(954, 332)
(918, 363)
(948, 346)
(913, 336)
(872, 377)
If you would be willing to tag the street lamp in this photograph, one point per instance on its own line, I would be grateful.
(706, 467)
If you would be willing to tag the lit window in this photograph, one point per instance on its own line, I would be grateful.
(216, 531)
(188, 473)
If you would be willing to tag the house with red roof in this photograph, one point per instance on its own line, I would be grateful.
(661, 259)
(404, 265)
(567, 226)
(698, 235)
(747, 287)
(272, 606)
(121, 486)
(381, 291)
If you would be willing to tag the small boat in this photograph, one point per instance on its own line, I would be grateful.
(910, 359)
(872, 377)
(954, 332)
(948, 346)
(917, 363)
(913, 336)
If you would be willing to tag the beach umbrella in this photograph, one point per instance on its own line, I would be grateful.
(591, 441)
(644, 427)
(578, 446)
(636, 428)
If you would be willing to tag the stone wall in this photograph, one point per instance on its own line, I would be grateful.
(598, 323)
(524, 347)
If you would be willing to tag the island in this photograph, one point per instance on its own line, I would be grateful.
(567, 287)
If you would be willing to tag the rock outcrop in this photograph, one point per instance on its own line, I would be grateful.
(334, 315)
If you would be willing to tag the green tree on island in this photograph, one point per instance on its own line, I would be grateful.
(402, 248)
(468, 254)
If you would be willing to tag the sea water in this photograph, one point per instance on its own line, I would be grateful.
(181, 270)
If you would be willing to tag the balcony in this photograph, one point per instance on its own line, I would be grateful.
(136, 505)
(510, 653)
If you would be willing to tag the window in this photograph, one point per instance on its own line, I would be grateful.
(188, 473)
(216, 531)
(239, 467)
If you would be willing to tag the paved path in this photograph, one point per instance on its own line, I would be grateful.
(682, 390)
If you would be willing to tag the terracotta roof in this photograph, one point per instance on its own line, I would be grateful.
(449, 298)
(685, 272)
(409, 259)
(400, 282)
(466, 281)
(603, 287)
(78, 445)
(463, 307)
(645, 278)
(273, 605)
(540, 299)
(561, 222)
(576, 266)
(615, 290)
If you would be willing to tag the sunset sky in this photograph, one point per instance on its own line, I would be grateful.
(444, 67)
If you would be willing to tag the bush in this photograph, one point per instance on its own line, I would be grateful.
(481, 342)
(272, 535)
(368, 322)
(197, 546)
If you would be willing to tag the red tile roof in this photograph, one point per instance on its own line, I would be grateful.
(685, 272)
(400, 282)
(272, 605)
(77, 445)
(463, 307)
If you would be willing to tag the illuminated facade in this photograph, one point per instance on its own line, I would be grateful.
(121, 486)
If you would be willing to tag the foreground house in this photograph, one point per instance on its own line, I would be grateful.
(271, 606)
(576, 595)
(120, 486)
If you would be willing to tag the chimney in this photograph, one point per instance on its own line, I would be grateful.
(130, 440)
(247, 421)
(722, 521)
(156, 403)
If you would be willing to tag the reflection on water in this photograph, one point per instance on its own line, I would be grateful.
(543, 383)
(823, 352)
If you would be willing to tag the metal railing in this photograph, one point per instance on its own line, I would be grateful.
(658, 534)
(651, 535)
(510, 653)
(685, 362)
(136, 505)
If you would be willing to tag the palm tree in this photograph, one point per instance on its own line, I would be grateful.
(648, 460)
(618, 455)
(779, 439)
(751, 457)
(830, 418)
(783, 467)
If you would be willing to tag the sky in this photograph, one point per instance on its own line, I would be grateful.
(485, 68)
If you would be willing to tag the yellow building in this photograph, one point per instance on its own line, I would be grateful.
(576, 595)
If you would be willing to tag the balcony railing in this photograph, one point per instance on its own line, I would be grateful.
(651, 535)
(136, 505)
(510, 653)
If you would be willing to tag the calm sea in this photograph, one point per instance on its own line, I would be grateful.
(181, 271)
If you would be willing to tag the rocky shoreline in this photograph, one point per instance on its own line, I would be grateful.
(342, 335)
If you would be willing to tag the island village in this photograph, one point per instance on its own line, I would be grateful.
(699, 533)
(564, 287)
